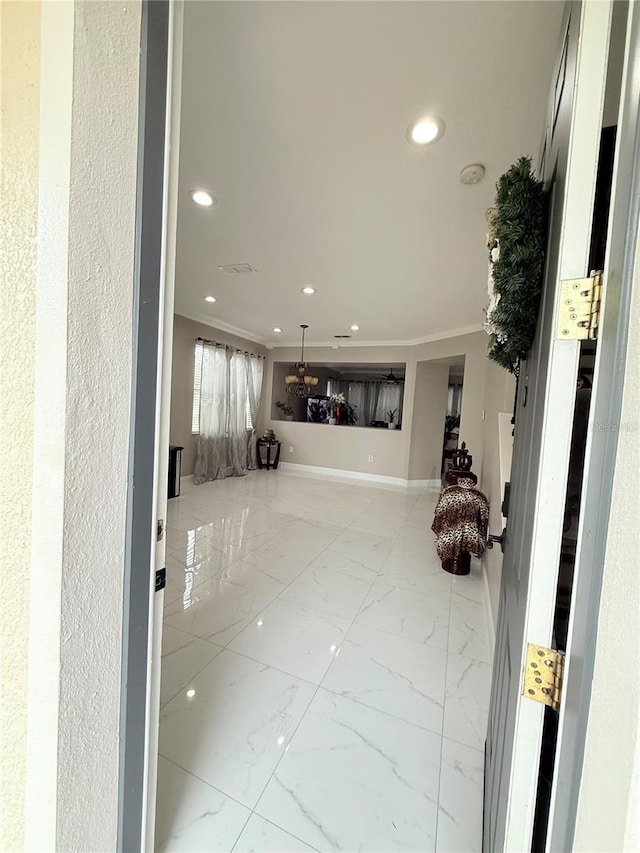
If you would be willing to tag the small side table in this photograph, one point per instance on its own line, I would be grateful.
(268, 454)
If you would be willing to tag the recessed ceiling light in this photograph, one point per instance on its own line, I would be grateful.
(277, 329)
(309, 290)
(209, 299)
(426, 130)
(202, 197)
(355, 328)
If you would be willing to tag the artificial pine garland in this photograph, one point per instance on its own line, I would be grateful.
(517, 266)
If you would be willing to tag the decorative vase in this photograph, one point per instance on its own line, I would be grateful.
(336, 414)
(458, 565)
(288, 417)
(392, 426)
(332, 421)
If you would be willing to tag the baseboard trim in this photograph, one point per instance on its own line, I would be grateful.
(489, 609)
(316, 470)
(381, 479)
(425, 484)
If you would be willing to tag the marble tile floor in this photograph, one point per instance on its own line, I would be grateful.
(325, 685)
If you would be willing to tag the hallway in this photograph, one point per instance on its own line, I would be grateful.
(325, 684)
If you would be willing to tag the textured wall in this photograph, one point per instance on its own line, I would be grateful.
(100, 302)
(185, 332)
(20, 70)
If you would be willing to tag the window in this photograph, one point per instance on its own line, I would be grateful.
(256, 367)
(197, 388)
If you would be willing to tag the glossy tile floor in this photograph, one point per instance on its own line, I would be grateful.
(324, 683)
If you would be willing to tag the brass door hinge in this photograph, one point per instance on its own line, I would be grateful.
(579, 309)
(543, 676)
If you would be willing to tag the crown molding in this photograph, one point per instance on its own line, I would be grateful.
(225, 327)
(270, 344)
(412, 342)
(441, 336)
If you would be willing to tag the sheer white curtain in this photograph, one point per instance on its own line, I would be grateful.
(254, 367)
(390, 398)
(355, 397)
(238, 393)
(374, 399)
(211, 453)
(370, 406)
(229, 398)
(454, 399)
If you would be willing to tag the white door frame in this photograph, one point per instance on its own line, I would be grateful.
(602, 443)
(543, 433)
(165, 370)
(141, 647)
(601, 459)
(148, 448)
(547, 525)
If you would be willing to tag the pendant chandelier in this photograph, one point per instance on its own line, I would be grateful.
(300, 383)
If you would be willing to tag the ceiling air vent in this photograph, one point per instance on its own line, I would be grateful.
(340, 337)
(237, 269)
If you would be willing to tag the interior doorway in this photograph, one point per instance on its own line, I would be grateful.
(378, 521)
(454, 411)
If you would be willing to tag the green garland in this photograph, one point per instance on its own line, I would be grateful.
(521, 233)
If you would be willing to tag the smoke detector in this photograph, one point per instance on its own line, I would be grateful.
(472, 174)
(237, 269)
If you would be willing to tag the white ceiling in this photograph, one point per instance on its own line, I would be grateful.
(294, 116)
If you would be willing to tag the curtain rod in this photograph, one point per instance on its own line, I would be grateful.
(226, 346)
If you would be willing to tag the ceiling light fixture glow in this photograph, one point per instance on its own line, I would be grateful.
(426, 130)
(277, 330)
(209, 299)
(309, 291)
(355, 328)
(202, 197)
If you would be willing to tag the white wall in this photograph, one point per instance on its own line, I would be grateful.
(474, 349)
(427, 430)
(345, 448)
(20, 94)
(348, 448)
